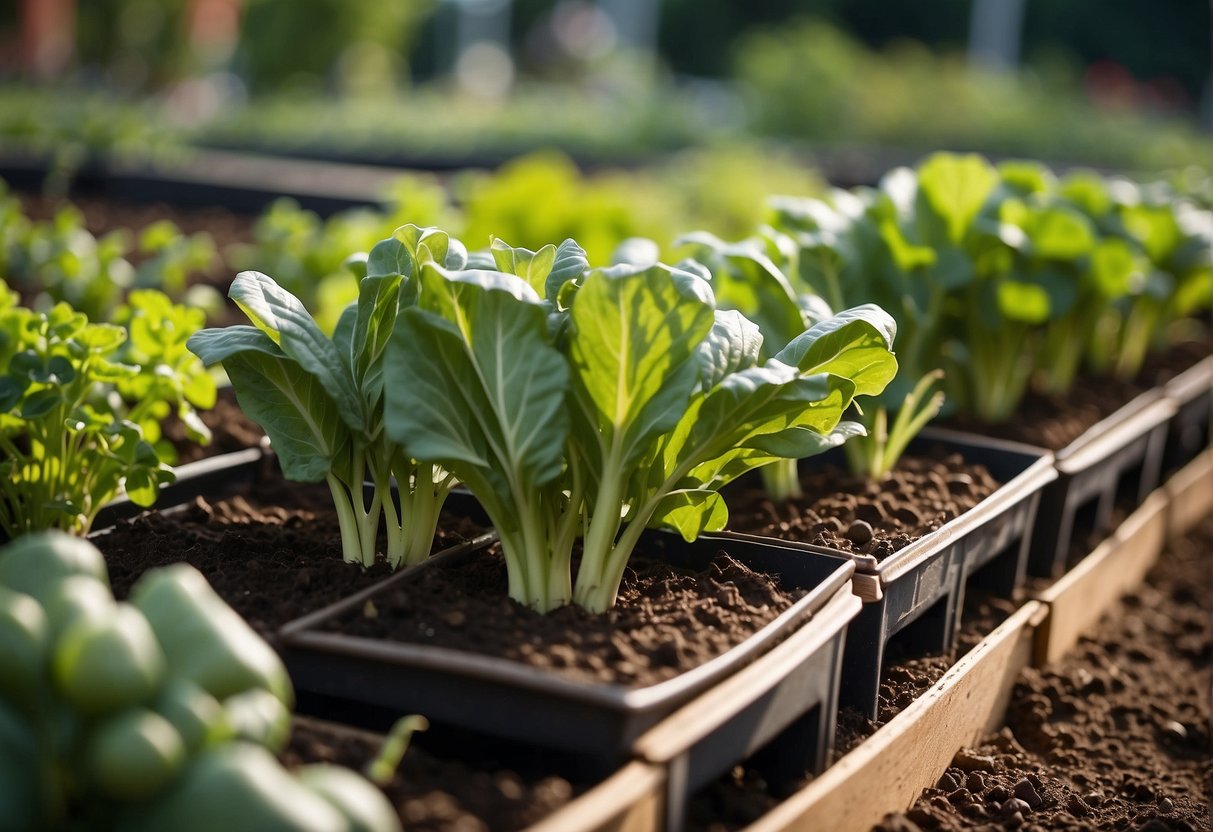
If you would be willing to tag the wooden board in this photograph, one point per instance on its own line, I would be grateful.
(889, 770)
(1080, 598)
(1191, 494)
(627, 801)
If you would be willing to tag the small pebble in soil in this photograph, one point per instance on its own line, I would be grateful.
(960, 797)
(860, 532)
(1025, 791)
(1077, 807)
(1016, 806)
(1175, 731)
(1165, 806)
(969, 761)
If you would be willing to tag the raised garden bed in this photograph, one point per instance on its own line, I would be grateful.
(1114, 735)
(924, 583)
(697, 723)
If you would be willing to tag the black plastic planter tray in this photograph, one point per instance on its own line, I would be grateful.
(924, 584)
(246, 183)
(1117, 460)
(213, 475)
(1191, 430)
(600, 722)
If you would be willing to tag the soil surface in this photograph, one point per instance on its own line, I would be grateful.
(435, 792)
(272, 550)
(864, 517)
(1114, 736)
(667, 620)
(1054, 422)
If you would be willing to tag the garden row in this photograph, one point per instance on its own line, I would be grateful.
(536, 416)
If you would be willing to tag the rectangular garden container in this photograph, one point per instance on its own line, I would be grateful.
(924, 584)
(887, 771)
(780, 674)
(212, 475)
(1190, 431)
(1118, 459)
(1080, 598)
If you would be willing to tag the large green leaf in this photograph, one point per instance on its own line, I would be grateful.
(408, 245)
(377, 310)
(746, 279)
(1060, 233)
(854, 344)
(570, 264)
(691, 512)
(532, 266)
(472, 384)
(732, 344)
(293, 408)
(956, 187)
(283, 318)
(636, 334)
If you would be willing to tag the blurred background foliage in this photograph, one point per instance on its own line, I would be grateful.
(443, 83)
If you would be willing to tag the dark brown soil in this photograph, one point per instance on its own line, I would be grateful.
(432, 792)
(667, 620)
(1115, 736)
(1054, 422)
(869, 518)
(742, 796)
(272, 551)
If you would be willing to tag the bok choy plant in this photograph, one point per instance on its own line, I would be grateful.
(321, 399)
(593, 403)
(758, 277)
(785, 280)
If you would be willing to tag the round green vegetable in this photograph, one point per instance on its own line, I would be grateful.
(134, 755)
(204, 639)
(197, 716)
(74, 598)
(362, 804)
(235, 788)
(34, 563)
(258, 716)
(23, 647)
(109, 664)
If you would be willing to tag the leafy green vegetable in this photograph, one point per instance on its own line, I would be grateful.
(618, 399)
(60, 260)
(320, 399)
(80, 407)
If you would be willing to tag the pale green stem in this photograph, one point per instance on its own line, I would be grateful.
(605, 519)
(781, 479)
(351, 544)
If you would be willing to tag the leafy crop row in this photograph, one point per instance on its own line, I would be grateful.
(573, 402)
